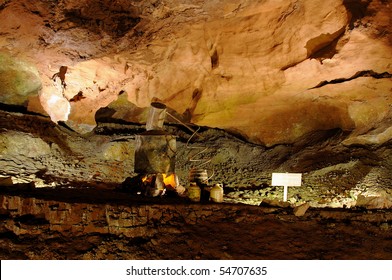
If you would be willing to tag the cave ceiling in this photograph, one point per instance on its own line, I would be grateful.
(272, 71)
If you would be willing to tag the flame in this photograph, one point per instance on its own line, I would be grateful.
(147, 179)
(167, 179)
(170, 180)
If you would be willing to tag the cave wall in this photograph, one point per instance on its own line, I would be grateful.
(272, 71)
(276, 86)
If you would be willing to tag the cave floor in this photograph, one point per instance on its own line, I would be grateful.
(94, 224)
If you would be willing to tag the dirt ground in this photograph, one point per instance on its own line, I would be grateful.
(271, 237)
(233, 231)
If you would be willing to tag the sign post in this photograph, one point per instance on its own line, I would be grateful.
(286, 180)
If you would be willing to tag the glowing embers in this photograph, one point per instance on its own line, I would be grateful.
(157, 184)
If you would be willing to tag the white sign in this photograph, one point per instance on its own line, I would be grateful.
(286, 180)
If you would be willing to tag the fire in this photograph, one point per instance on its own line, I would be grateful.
(167, 179)
(157, 184)
(146, 179)
(170, 180)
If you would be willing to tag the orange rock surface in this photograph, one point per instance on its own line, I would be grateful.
(272, 71)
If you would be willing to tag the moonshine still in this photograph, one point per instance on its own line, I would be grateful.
(155, 160)
(155, 154)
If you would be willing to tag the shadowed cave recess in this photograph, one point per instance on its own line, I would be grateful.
(111, 110)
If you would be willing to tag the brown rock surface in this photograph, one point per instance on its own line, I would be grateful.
(291, 67)
(118, 226)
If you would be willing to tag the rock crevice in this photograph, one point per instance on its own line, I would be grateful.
(359, 74)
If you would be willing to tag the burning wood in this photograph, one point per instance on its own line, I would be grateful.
(157, 184)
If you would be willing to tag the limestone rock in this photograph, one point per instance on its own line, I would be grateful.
(122, 109)
(119, 151)
(17, 143)
(275, 203)
(301, 209)
(19, 79)
(6, 181)
(287, 67)
(374, 202)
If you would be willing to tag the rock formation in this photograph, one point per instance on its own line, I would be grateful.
(284, 75)
(272, 85)
(272, 71)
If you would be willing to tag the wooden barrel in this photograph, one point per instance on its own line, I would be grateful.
(199, 176)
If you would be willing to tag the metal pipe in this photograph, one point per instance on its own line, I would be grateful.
(156, 116)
